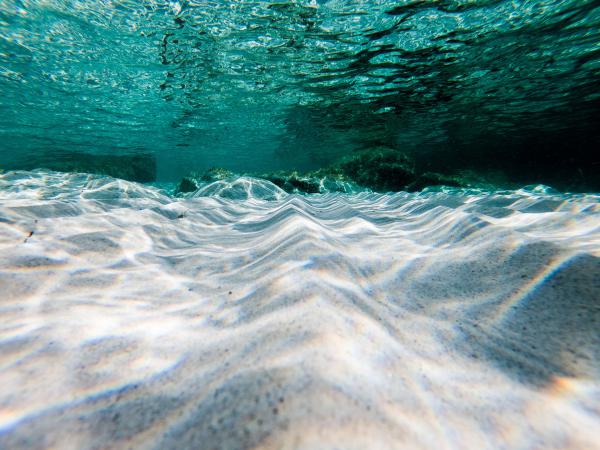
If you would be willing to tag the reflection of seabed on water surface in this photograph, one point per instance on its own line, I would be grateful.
(131, 318)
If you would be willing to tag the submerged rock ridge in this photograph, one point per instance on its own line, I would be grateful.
(133, 319)
(381, 169)
(131, 167)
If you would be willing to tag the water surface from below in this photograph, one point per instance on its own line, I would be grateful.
(497, 86)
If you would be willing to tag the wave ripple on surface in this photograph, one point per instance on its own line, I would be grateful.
(132, 319)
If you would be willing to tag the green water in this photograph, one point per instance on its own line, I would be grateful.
(506, 91)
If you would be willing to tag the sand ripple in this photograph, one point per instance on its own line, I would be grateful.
(457, 319)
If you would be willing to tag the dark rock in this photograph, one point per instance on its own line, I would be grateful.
(428, 179)
(215, 174)
(136, 167)
(307, 185)
(188, 184)
(195, 180)
(320, 181)
(380, 169)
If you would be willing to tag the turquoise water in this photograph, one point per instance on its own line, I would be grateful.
(507, 89)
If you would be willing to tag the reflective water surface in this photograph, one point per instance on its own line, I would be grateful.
(491, 85)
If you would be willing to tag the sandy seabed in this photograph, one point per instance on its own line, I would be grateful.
(459, 319)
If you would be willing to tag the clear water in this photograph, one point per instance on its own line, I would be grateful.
(326, 224)
(506, 88)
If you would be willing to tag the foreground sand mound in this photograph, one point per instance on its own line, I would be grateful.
(441, 319)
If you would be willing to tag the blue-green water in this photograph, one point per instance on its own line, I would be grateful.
(508, 89)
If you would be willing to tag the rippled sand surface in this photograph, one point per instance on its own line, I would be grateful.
(130, 319)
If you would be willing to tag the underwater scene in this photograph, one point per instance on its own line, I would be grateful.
(302, 224)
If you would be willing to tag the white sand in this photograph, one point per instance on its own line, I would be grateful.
(131, 320)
